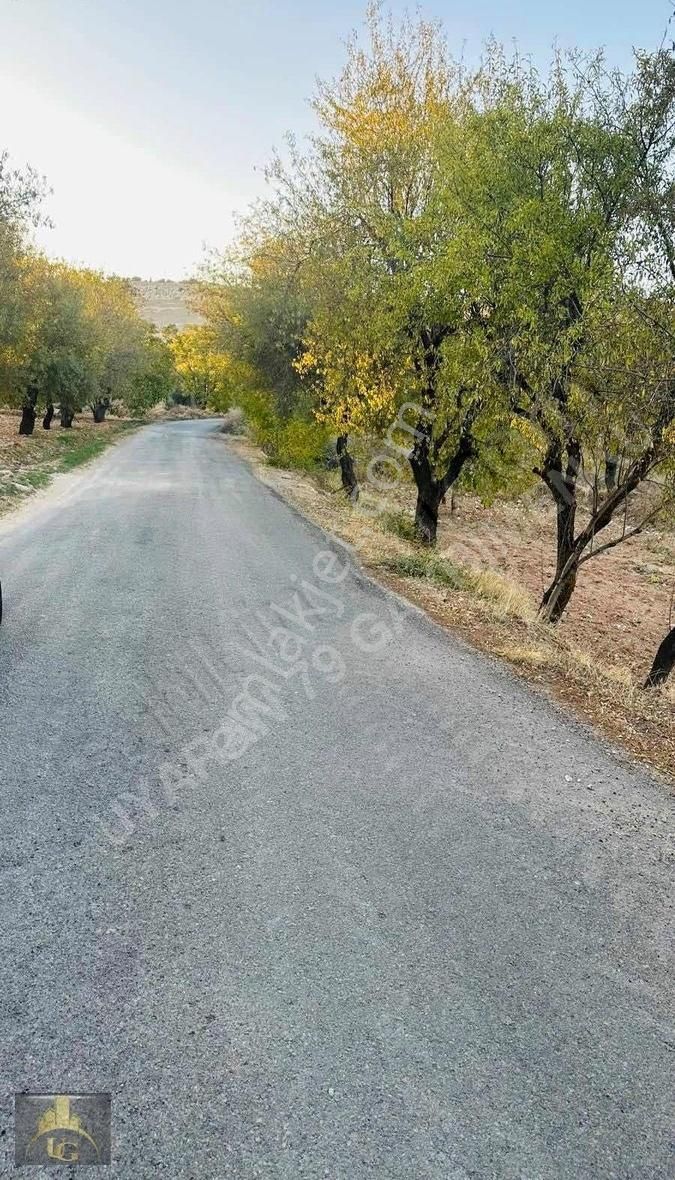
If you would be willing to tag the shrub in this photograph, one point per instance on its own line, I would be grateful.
(289, 442)
(261, 417)
(400, 524)
(234, 421)
(299, 443)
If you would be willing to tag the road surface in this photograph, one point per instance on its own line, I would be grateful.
(309, 887)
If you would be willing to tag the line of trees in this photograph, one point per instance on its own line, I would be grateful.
(69, 337)
(495, 248)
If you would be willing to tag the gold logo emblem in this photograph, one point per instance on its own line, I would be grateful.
(65, 1131)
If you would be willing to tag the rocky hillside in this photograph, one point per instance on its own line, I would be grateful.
(165, 302)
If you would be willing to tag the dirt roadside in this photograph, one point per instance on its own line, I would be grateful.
(28, 464)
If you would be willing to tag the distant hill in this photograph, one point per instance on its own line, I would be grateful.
(165, 302)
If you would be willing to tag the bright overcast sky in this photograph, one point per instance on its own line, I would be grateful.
(153, 119)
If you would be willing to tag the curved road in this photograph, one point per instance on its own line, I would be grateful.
(309, 887)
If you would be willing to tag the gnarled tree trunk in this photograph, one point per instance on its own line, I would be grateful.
(67, 415)
(425, 455)
(431, 490)
(561, 589)
(663, 662)
(47, 420)
(350, 482)
(99, 408)
(27, 423)
(28, 412)
(562, 485)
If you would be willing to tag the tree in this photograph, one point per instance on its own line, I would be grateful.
(663, 661)
(204, 373)
(21, 194)
(60, 343)
(254, 303)
(485, 261)
(623, 402)
(379, 322)
(67, 335)
(84, 343)
(551, 187)
(28, 410)
(386, 287)
(253, 300)
(119, 339)
(155, 378)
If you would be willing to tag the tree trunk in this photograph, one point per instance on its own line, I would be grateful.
(562, 486)
(557, 596)
(663, 662)
(424, 457)
(99, 409)
(47, 420)
(27, 424)
(426, 516)
(28, 412)
(563, 490)
(350, 482)
(430, 491)
(67, 416)
(561, 589)
(611, 468)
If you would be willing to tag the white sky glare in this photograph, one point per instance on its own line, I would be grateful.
(152, 120)
(114, 204)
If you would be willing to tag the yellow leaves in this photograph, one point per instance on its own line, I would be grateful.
(206, 373)
(265, 260)
(306, 364)
(527, 430)
(354, 389)
(374, 126)
(391, 94)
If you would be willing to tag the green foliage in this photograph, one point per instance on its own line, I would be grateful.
(289, 442)
(36, 479)
(299, 443)
(399, 524)
(493, 252)
(428, 565)
(260, 414)
(254, 302)
(206, 376)
(82, 452)
(20, 197)
(154, 381)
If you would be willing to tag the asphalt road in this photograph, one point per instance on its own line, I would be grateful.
(376, 910)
